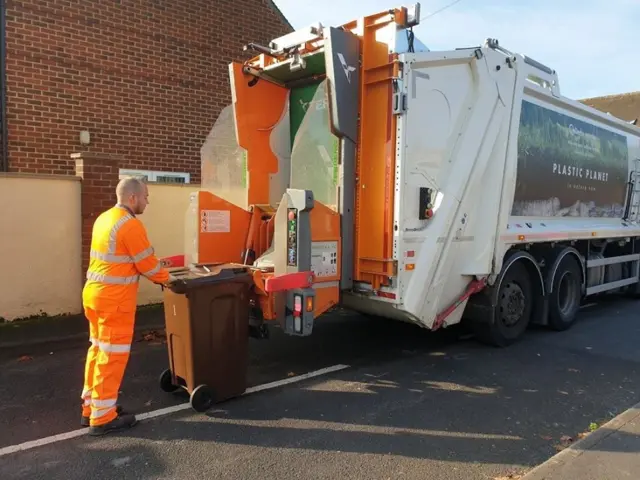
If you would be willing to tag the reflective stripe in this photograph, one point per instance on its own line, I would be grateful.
(114, 348)
(153, 271)
(104, 403)
(107, 257)
(98, 277)
(95, 413)
(111, 347)
(113, 234)
(143, 254)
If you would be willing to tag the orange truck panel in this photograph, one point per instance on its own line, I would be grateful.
(375, 166)
(222, 230)
(325, 227)
(258, 110)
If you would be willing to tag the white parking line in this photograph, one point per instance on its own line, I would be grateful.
(166, 411)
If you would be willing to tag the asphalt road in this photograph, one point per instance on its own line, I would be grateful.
(412, 405)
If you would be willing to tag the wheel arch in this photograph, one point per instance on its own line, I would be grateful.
(481, 307)
(536, 277)
(530, 263)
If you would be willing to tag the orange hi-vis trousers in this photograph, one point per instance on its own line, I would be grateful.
(111, 335)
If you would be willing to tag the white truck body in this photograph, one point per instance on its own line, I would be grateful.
(458, 134)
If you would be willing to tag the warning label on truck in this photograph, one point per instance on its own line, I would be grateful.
(215, 221)
(568, 167)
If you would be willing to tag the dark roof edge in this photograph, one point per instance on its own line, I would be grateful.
(275, 8)
(612, 96)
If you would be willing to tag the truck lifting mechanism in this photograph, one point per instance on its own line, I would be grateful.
(356, 167)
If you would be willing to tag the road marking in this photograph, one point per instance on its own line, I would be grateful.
(299, 378)
(166, 411)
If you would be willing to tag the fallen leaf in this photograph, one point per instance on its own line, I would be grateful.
(155, 336)
(566, 440)
(291, 374)
(25, 358)
(544, 437)
(511, 476)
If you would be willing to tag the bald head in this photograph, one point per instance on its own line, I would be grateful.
(132, 192)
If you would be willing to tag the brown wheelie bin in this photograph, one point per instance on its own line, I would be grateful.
(207, 322)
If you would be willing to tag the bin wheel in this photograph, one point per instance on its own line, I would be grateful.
(201, 398)
(166, 383)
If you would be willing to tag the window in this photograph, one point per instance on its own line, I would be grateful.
(153, 176)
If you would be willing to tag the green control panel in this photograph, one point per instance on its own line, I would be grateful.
(292, 237)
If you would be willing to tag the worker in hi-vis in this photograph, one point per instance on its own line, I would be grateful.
(120, 253)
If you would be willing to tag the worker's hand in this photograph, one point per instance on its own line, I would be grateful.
(166, 283)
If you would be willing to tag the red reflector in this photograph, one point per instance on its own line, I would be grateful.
(173, 261)
(297, 304)
(411, 253)
(390, 295)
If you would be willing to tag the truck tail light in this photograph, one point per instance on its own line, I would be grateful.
(297, 305)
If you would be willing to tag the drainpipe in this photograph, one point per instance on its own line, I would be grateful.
(4, 159)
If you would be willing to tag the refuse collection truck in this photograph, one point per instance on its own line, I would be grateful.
(357, 168)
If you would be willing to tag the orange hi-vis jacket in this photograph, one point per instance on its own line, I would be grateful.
(120, 253)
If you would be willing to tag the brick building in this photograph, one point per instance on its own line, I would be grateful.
(145, 78)
(625, 106)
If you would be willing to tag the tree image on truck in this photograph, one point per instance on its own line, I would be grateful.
(568, 167)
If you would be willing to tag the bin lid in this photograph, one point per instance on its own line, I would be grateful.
(204, 275)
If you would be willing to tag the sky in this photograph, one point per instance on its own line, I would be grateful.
(592, 44)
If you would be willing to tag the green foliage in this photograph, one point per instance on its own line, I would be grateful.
(550, 137)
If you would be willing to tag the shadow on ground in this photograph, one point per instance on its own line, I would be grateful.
(412, 401)
(457, 401)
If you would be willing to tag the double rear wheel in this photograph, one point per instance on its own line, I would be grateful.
(566, 294)
(518, 298)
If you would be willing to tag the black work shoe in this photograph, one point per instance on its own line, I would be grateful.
(85, 422)
(121, 422)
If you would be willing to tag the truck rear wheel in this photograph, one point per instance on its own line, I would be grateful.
(512, 313)
(566, 294)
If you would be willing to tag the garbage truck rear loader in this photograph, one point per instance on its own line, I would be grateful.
(355, 167)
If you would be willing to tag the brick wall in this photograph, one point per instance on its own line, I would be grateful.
(146, 78)
(625, 106)
(99, 173)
